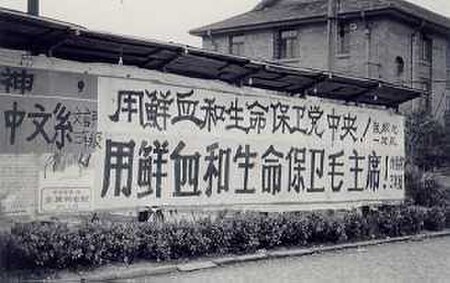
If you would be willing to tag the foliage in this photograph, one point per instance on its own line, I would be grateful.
(447, 217)
(56, 245)
(435, 219)
(426, 141)
(427, 149)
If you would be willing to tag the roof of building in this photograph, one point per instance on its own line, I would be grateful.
(40, 35)
(279, 12)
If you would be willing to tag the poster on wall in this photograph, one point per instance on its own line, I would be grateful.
(48, 130)
(175, 146)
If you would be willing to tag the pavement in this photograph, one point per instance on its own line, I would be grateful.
(411, 261)
(149, 269)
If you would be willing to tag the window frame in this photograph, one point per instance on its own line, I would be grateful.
(399, 66)
(447, 65)
(426, 49)
(426, 84)
(343, 39)
(288, 44)
(237, 44)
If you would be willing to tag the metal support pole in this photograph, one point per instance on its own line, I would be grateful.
(331, 34)
(33, 7)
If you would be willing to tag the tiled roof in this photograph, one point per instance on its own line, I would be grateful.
(281, 11)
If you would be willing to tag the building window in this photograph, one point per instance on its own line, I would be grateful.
(447, 81)
(287, 44)
(447, 109)
(425, 103)
(343, 39)
(339, 6)
(400, 65)
(237, 45)
(448, 66)
(426, 49)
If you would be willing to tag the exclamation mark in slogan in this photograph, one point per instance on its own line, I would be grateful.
(369, 122)
(386, 172)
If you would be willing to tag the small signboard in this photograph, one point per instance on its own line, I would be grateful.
(64, 200)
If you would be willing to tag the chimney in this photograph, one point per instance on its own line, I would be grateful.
(33, 7)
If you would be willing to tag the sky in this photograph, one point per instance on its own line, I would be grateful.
(167, 20)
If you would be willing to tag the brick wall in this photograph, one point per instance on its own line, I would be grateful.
(375, 48)
(259, 44)
(439, 76)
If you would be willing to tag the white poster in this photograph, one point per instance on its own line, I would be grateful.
(170, 146)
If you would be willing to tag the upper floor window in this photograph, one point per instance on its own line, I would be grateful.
(237, 43)
(426, 48)
(425, 103)
(339, 5)
(399, 65)
(448, 65)
(447, 81)
(287, 44)
(343, 46)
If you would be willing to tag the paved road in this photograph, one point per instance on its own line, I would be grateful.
(425, 261)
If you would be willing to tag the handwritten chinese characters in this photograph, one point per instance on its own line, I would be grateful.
(162, 110)
(140, 169)
(171, 145)
(16, 80)
(49, 123)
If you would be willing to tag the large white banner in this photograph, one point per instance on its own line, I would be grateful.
(170, 146)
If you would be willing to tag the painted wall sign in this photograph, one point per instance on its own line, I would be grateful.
(48, 133)
(165, 145)
(39, 82)
(57, 200)
(44, 111)
(44, 124)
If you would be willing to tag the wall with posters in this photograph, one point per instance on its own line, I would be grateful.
(48, 133)
(175, 146)
(81, 137)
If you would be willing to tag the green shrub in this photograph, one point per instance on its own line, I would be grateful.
(447, 216)
(155, 244)
(55, 245)
(4, 240)
(212, 233)
(270, 232)
(241, 233)
(39, 245)
(297, 230)
(435, 219)
(357, 226)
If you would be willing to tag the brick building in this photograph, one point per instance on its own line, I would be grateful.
(392, 40)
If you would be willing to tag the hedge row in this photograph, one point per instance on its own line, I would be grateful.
(55, 245)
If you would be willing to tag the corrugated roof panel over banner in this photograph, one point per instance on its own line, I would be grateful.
(40, 35)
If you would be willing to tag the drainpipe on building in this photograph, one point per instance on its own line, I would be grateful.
(368, 41)
(415, 38)
(33, 7)
(411, 58)
(331, 33)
